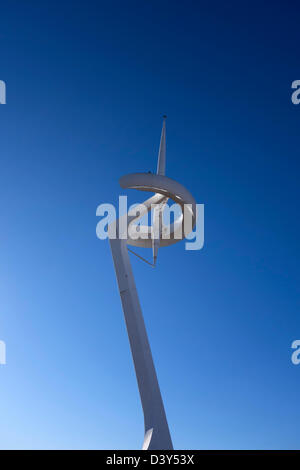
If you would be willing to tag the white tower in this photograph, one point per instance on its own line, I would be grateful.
(157, 434)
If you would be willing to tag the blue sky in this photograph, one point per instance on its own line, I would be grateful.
(87, 84)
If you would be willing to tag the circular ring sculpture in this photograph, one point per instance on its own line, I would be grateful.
(157, 435)
(164, 188)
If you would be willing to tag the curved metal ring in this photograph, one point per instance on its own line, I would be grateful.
(168, 188)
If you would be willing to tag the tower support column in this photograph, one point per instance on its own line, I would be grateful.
(157, 434)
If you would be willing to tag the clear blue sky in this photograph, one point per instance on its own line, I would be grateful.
(87, 83)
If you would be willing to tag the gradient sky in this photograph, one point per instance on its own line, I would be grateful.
(87, 84)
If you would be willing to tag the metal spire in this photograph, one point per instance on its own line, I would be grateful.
(157, 214)
(161, 164)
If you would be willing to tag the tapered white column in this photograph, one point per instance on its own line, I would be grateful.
(157, 434)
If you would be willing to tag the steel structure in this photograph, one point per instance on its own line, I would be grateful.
(157, 434)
